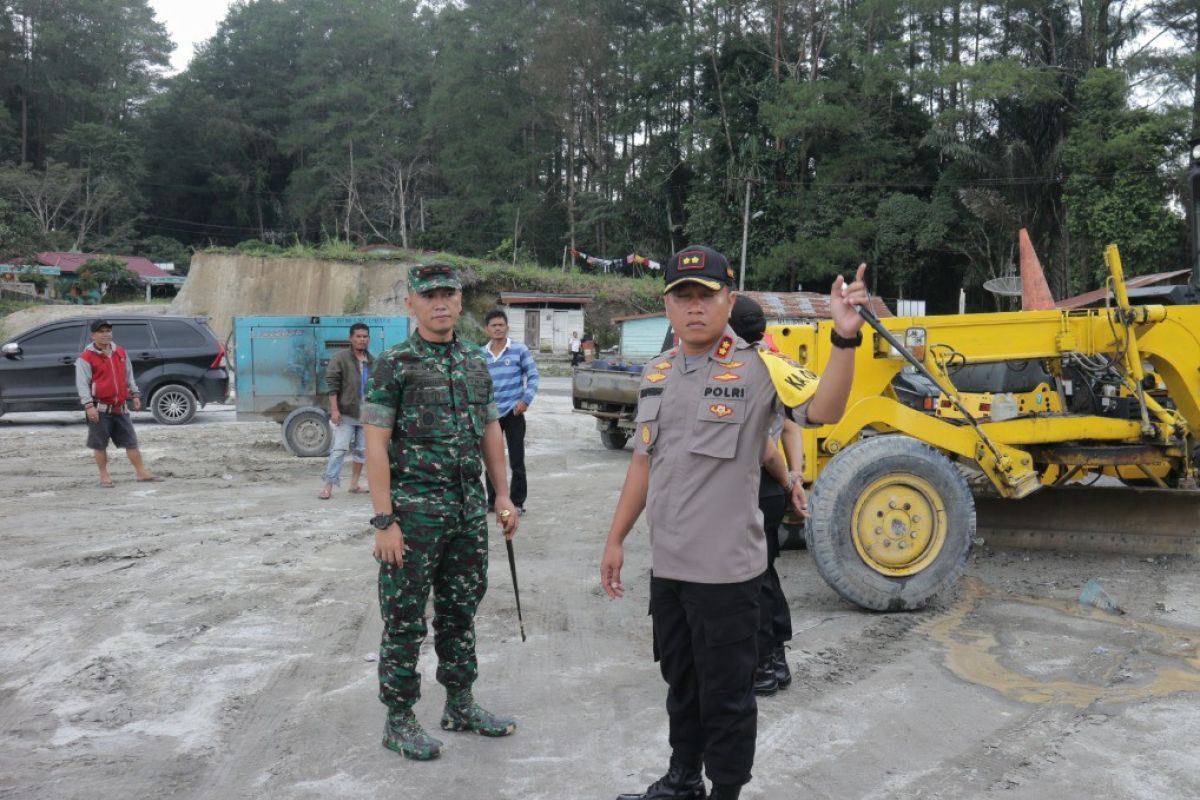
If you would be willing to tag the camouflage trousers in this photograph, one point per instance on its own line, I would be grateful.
(448, 555)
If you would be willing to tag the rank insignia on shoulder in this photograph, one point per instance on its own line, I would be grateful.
(732, 364)
(725, 347)
(725, 377)
(655, 377)
(663, 365)
(645, 434)
(720, 410)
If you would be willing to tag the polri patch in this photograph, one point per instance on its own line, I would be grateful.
(655, 377)
(725, 377)
(720, 410)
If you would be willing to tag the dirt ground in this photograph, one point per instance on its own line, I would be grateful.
(215, 636)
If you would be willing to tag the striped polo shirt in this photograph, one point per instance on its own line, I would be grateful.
(514, 375)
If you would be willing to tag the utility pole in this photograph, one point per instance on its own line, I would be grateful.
(745, 238)
(516, 230)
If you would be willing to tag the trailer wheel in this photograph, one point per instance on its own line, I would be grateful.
(892, 523)
(614, 440)
(306, 432)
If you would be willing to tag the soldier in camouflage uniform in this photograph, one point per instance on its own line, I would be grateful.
(429, 414)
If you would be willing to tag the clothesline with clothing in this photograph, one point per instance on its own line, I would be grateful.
(632, 264)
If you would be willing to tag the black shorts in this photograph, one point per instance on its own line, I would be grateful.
(117, 427)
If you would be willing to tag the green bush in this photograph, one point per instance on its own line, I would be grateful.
(109, 277)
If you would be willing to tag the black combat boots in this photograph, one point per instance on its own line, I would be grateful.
(783, 674)
(682, 782)
(766, 681)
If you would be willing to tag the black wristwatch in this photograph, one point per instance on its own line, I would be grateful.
(843, 342)
(382, 521)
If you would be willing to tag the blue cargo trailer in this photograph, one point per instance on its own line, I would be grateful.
(280, 370)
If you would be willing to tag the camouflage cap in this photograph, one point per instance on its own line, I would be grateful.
(427, 277)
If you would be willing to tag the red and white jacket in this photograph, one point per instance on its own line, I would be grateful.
(104, 377)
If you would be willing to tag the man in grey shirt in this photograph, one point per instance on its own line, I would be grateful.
(704, 412)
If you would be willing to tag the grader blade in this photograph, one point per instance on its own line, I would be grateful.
(1108, 519)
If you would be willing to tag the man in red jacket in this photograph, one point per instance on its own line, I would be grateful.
(104, 380)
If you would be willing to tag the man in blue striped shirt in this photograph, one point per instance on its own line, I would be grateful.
(515, 381)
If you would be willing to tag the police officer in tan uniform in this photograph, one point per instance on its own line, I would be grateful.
(704, 412)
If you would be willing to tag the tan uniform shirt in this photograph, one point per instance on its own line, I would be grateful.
(704, 430)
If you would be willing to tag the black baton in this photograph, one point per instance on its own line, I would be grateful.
(512, 566)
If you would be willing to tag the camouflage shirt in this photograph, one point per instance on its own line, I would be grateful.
(437, 399)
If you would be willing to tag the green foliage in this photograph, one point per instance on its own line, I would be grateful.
(253, 247)
(18, 233)
(109, 276)
(165, 249)
(1115, 185)
(917, 136)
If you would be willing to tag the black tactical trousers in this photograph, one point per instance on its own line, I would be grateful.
(704, 637)
(513, 426)
(776, 619)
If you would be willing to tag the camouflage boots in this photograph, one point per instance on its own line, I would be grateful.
(405, 735)
(462, 713)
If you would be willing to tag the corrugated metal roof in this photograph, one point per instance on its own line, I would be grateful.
(1095, 296)
(786, 306)
(70, 262)
(547, 298)
(628, 317)
(804, 305)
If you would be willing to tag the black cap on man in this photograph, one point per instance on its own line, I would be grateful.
(698, 264)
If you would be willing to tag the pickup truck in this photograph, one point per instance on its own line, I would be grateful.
(608, 390)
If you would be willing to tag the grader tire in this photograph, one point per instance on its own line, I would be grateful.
(892, 523)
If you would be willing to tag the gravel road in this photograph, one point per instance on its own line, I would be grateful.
(214, 636)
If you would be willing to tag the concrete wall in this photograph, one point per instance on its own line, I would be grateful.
(225, 286)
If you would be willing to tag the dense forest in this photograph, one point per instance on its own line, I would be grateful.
(916, 134)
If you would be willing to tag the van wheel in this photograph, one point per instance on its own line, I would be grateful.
(174, 404)
(614, 440)
(892, 523)
(306, 432)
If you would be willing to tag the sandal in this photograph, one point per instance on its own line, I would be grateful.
(324, 494)
(359, 490)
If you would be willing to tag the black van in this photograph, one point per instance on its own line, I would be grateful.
(177, 362)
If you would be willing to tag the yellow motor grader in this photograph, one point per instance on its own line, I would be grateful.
(1111, 390)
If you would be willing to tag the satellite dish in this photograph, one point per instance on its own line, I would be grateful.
(1006, 286)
